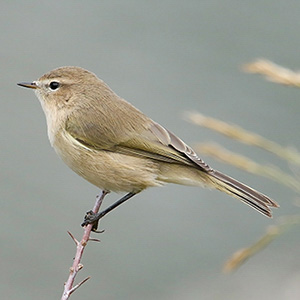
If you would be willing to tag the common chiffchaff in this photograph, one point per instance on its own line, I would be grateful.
(116, 147)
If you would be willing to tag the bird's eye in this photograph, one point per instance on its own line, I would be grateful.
(54, 85)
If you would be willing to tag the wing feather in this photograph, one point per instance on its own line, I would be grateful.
(149, 140)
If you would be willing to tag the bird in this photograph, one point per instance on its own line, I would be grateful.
(116, 147)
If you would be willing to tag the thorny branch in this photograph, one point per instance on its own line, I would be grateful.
(77, 266)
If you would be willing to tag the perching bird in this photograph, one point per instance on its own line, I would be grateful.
(116, 147)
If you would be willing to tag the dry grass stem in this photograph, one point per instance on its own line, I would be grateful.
(244, 136)
(240, 256)
(274, 72)
(245, 163)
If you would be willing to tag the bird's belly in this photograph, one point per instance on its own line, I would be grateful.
(106, 169)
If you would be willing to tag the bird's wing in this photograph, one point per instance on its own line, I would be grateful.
(171, 141)
(150, 140)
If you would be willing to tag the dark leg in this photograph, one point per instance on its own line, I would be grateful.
(92, 218)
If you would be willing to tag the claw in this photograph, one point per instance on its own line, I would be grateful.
(91, 218)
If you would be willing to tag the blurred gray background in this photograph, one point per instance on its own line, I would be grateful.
(165, 57)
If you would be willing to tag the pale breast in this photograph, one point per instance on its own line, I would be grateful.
(106, 169)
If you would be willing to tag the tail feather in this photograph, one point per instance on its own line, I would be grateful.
(249, 196)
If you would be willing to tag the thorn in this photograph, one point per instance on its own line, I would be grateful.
(73, 238)
(78, 285)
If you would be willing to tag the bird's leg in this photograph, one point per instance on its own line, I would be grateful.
(93, 218)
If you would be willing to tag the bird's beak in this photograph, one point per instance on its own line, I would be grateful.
(29, 85)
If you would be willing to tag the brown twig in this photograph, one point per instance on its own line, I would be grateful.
(77, 266)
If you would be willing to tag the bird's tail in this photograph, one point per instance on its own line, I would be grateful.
(249, 196)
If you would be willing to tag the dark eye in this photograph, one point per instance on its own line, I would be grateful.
(54, 85)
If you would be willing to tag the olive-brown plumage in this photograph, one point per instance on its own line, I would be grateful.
(116, 147)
